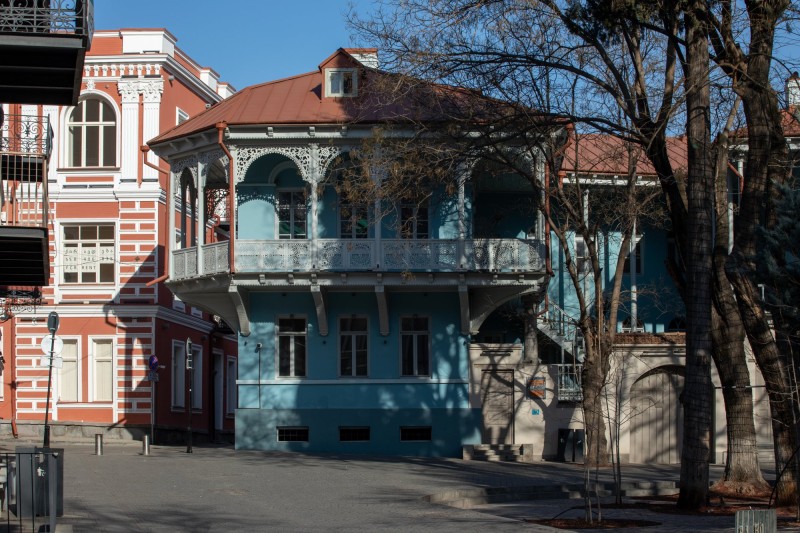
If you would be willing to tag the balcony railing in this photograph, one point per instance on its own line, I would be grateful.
(387, 255)
(25, 135)
(569, 383)
(59, 17)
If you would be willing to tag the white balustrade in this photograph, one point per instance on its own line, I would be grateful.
(359, 255)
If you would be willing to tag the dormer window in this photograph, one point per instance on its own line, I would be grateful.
(341, 82)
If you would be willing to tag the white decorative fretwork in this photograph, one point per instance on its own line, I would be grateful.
(246, 155)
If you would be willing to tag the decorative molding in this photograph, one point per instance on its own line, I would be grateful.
(187, 162)
(151, 90)
(129, 90)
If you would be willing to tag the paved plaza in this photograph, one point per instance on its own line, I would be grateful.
(220, 489)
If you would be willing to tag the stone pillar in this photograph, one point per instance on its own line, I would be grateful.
(129, 139)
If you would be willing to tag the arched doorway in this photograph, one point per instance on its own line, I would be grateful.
(657, 417)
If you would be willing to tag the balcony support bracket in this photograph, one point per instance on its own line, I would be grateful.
(383, 309)
(320, 304)
(485, 300)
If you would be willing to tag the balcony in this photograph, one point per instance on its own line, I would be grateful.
(362, 255)
(24, 149)
(43, 44)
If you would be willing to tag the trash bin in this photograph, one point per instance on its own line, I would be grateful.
(31, 479)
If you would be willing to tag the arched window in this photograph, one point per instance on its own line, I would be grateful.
(92, 128)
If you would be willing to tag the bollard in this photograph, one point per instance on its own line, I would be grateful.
(146, 445)
(98, 444)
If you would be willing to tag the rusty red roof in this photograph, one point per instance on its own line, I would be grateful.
(608, 155)
(300, 100)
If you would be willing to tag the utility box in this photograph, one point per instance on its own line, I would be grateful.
(35, 480)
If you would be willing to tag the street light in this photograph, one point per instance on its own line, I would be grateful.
(190, 368)
(52, 326)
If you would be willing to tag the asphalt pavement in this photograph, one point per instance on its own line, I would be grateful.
(218, 488)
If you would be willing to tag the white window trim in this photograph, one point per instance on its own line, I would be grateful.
(92, 365)
(64, 141)
(401, 332)
(339, 350)
(328, 89)
(79, 371)
(180, 114)
(278, 191)
(181, 346)
(60, 284)
(278, 349)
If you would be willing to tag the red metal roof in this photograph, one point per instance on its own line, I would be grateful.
(300, 100)
(609, 155)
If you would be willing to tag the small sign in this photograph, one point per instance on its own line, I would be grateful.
(537, 387)
(55, 342)
(152, 362)
(152, 376)
(536, 411)
(58, 362)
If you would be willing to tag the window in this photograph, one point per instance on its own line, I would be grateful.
(197, 377)
(638, 259)
(582, 261)
(353, 354)
(414, 346)
(354, 434)
(230, 384)
(413, 221)
(353, 220)
(291, 215)
(103, 377)
(88, 254)
(181, 116)
(291, 347)
(178, 375)
(69, 376)
(342, 82)
(415, 433)
(292, 434)
(92, 127)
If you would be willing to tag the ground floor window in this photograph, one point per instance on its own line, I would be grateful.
(415, 433)
(292, 433)
(353, 353)
(292, 347)
(415, 346)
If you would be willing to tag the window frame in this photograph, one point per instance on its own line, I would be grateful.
(331, 91)
(69, 148)
(415, 344)
(353, 334)
(292, 335)
(352, 231)
(93, 364)
(293, 207)
(409, 226)
(80, 243)
(639, 249)
(178, 368)
(78, 372)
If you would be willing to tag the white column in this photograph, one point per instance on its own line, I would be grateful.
(201, 215)
(151, 89)
(129, 140)
(170, 244)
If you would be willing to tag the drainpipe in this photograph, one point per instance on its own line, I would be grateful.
(144, 149)
(231, 190)
(12, 368)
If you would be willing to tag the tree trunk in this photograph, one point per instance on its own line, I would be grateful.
(595, 370)
(697, 400)
(742, 470)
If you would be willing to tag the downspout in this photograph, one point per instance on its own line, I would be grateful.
(144, 149)
(231, 190)
(12, 368)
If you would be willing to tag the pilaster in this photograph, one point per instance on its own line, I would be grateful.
(129, 139)
(151, 91)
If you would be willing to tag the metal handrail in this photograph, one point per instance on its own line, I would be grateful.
(55, 17)
(26, 135)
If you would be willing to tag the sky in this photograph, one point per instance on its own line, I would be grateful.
(245, 41)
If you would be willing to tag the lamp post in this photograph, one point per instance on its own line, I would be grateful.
(52, 326)
(190, 368)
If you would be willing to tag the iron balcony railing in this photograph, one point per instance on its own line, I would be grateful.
(373, 255)
(51, 17)
(25, 135)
